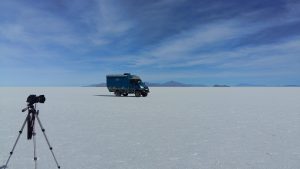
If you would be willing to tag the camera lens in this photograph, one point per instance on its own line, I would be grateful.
(41, 99)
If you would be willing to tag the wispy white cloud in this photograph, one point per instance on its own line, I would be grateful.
(279, 55)
(112, 20)
(207, 45)
(35, 27)
(187, 43)
(107, 22)
(39, 34)
(195, 76)
(177, 38)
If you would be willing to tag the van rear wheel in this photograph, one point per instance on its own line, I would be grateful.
(137, 94)
(125, 94)
(144, 94)
(117, 93)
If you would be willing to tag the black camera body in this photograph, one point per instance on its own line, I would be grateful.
(32, 99)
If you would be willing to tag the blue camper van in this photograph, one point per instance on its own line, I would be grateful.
(124, 84)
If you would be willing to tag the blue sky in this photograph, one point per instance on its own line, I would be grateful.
(78, 42)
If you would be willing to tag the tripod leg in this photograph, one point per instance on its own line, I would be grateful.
(34, 148)
(12, 151)
(51, 149)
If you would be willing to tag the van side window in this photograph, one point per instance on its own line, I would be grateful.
(135, 81)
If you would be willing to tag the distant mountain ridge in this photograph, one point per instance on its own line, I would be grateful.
(165, 84)
(179, 84)
(172, 84)
(97, 85)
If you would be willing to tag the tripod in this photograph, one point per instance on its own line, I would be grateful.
(30, 119)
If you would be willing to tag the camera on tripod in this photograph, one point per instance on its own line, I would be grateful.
(32, 99)
(31, 118)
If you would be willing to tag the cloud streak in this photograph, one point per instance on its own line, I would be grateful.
(204, 39)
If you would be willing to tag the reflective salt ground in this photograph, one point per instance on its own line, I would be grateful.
(172, 128)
